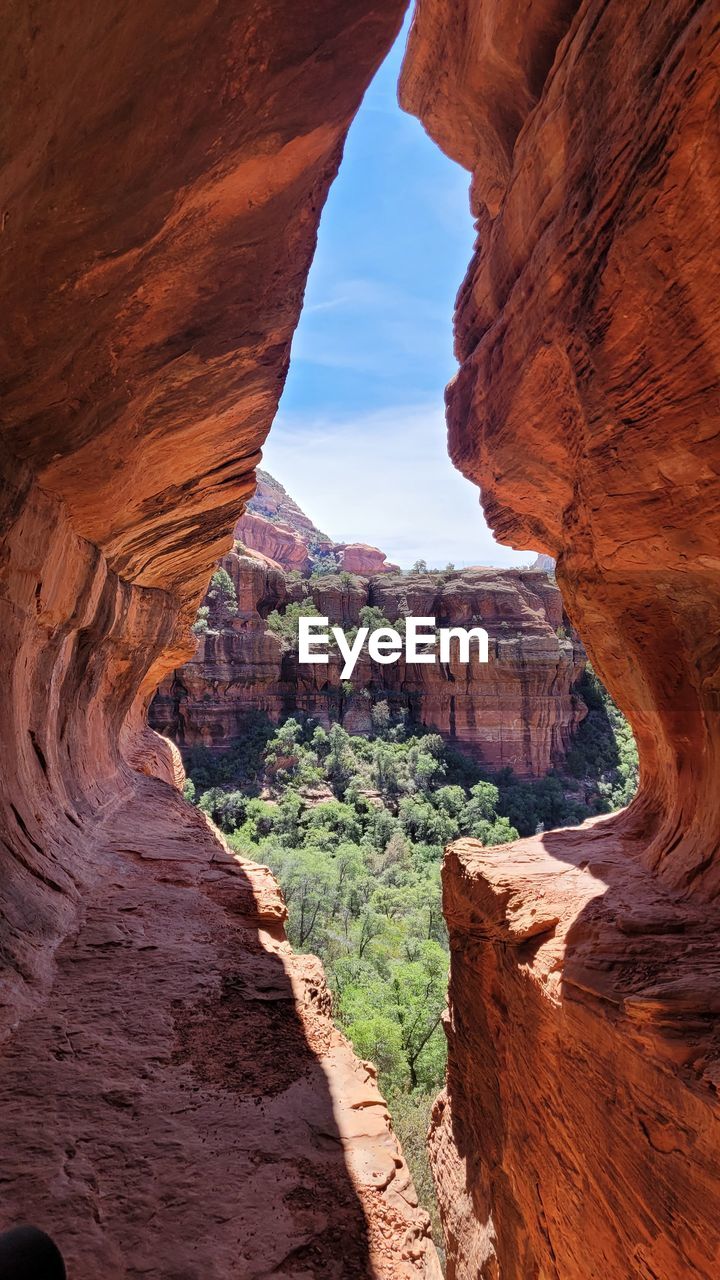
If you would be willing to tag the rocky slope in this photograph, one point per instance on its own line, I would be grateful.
(578, 1138)
(182, 1104)
(162, 175)
(518, 711)
(273, 524)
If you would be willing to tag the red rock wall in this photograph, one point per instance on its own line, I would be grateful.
(359, 557)
(276, 540)
(578, 1139)
(157, 168)
(163, 171)
(518, 711)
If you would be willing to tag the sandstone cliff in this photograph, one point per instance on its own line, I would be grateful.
(579, 1135)
(273, 524)
(518, 711)
(174, 1099)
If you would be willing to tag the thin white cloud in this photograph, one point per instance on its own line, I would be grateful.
(377, 325)
(385, 478)
(356, 292)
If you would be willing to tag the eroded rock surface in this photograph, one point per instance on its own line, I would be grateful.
(580, 1135)
(580, 1130)
(517, 711)
(586, 403)
(163, 172)
(182, 1103)
(360, 557)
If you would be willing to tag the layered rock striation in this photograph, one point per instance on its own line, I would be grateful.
(162, 176)
(584, 406)
(578, 1134)
(518, 711)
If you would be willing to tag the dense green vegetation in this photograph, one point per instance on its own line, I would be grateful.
(604, 750)
(285, 623)
(221, 604)
(354, 829)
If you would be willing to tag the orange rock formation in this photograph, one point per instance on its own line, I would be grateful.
(519, 710)
(359, 557)
(579, 1134)
(174, 1099)
(275, 525)
(274, 539)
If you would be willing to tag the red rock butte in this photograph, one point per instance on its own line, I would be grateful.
(173, 1097)
(273, 524)
(518, 711)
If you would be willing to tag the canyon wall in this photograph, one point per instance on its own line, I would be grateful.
(161, 190)
(518, 711)
(579, 1134)
(163, 172)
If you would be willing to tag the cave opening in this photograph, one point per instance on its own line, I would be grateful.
(174, 1094)
(358, 445)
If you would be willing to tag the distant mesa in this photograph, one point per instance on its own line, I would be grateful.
(276, 527)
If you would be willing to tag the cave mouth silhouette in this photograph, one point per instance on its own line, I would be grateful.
(153, 291)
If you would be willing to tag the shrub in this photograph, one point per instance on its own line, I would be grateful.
(222, 598)
(200, 625)
(285, 624)
(380, 717)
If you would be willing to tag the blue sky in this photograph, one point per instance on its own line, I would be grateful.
(360, 438)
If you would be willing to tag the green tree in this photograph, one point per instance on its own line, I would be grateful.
(451, 800)
(200, 626)
(285, 623)
(380, 717)
(420, 987)
(308, 879)
(325, 823)
(339, 760)
(287, 822)
(386, 772)
(484, 800)
(226, 808)
(425, 824)
(221, 598)
(260, 818)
